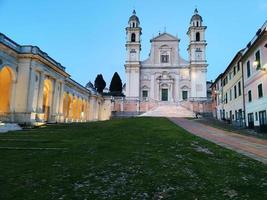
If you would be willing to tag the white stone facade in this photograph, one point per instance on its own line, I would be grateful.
(165, 75)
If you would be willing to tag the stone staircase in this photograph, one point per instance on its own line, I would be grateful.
(169, 110)
(5, 127)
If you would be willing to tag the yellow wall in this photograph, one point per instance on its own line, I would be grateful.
(46, 98)
(5, 89)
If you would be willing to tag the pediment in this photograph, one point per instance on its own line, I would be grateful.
(164, 37)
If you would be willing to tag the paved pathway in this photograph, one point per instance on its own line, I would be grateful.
(250, 146)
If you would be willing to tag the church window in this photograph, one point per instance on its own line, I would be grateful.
(197, 36)
(133, 37)
(234, 70)
(235, 91)
(197, 23)
(164, 58)
(248, 69)
(185, 95)
(144, 93)
(133, 24)
(258, 60)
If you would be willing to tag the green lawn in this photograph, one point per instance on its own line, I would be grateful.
(137, 158)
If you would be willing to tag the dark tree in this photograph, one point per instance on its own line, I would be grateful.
(115, 84)
(100, 83)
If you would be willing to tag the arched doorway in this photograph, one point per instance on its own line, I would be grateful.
(6, 79)
(47, 98)
(66, 105)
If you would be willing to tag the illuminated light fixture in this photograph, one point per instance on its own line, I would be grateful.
(264, 67)
(82, 114)
(255, 63)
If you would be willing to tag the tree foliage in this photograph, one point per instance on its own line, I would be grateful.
(115, 84)
(100, 83)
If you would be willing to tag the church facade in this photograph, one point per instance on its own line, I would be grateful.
(165, 76)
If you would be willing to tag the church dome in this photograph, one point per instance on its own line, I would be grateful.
(134, 17)
(196, 16)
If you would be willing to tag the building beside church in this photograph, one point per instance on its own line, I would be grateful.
(36, 89)
(239, 93)
(166, 76)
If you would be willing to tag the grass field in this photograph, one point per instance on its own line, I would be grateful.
(137, 158)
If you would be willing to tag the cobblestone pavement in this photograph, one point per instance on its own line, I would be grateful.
(252, 147)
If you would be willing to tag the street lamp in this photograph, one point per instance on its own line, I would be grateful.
(264, 67)
(256, 63)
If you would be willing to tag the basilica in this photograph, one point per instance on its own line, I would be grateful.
(166, 76)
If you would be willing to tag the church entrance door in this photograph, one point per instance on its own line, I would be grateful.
(164, 94)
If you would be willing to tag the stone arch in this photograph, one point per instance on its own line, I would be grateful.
(7, 77)
(164, 46)
(74, 107)
(47, 98)
(70, 106)
(66, 105)
(164, 85)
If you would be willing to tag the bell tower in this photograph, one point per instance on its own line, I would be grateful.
(132, 63)
(197, 57)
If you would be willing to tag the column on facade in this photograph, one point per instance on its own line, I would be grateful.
(70, 107)
(31, 86)
(152, 85)
(74, 108)
(171, 91)
(40, 93)
(158, 90)
(176, 88)
(77, 109)
(88, 108)
(54, 99)
(61, 100)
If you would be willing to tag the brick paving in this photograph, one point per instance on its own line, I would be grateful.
(249, 146)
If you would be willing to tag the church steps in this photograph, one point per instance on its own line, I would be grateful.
(169, 110)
